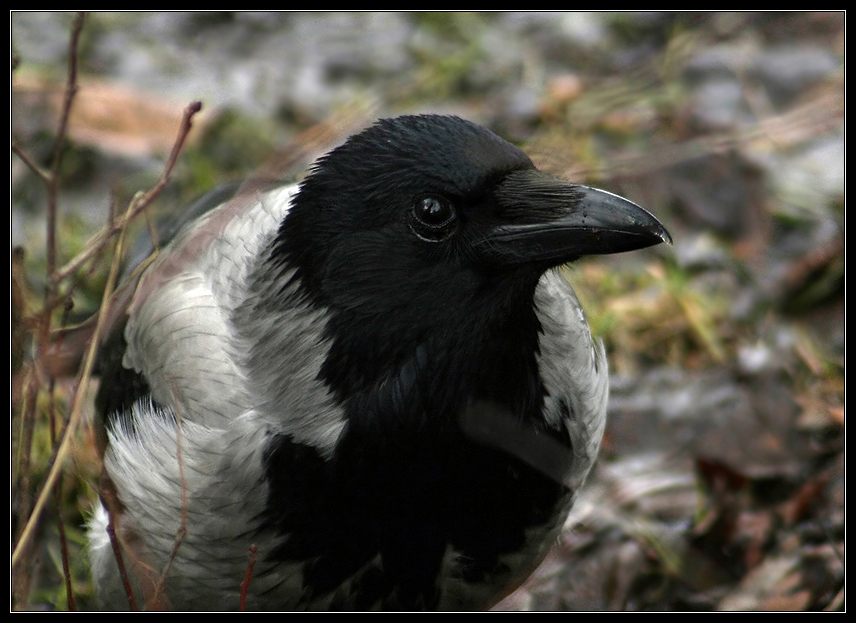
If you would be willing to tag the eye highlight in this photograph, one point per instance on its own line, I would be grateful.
(433, 218)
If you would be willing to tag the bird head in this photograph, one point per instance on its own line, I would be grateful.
(428, 225)
(418, 199)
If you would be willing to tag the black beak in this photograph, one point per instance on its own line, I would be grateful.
(550, 220)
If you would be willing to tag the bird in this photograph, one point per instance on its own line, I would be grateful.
(370, 390)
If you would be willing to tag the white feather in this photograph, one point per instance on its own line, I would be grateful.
(214, 361)
(573, 369)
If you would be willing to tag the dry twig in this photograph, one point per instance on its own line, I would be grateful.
(39, 375)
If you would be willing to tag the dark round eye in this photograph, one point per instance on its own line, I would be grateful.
(433, 218)
(433, 212)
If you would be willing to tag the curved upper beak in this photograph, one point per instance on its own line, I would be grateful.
(547, 219)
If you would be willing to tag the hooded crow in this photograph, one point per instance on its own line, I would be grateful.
(372, 390)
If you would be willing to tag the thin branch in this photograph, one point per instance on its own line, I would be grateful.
(117, 552)
(182, 528)
(59, 148)
(63, 541)
(245, 585)
(76, 409)
(139, 203)
(43, 175)
(43, 324)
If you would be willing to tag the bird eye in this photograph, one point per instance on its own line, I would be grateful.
(433, 218)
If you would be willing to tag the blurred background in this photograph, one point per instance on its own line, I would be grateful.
(721, 480)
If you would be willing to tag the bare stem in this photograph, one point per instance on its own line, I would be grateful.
(139, 203)
(245, 585)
